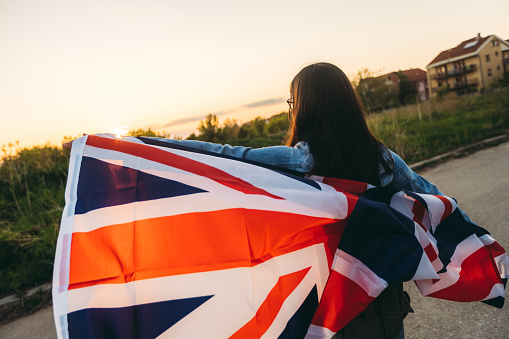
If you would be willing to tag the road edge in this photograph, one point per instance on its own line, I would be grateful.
(459, 152)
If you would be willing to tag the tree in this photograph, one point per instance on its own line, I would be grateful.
(373, 91)
(208, 128)
(443, 91)
(148, 133)
(278, 124)
(258, 132)
(258, 127)
(244, 131)
(229, 132)
(364, 73)
(407, 90)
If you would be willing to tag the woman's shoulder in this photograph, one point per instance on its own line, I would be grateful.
(405, 178)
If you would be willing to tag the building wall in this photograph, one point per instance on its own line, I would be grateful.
(456, 74)
(505, 60)
(488, 63)
(475, 77)
(420, 84)
(422, 90)
(491, 61)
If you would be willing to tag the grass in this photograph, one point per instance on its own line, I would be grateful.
(422, 131)
(32, 186)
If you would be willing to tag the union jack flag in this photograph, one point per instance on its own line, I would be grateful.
(164, 241)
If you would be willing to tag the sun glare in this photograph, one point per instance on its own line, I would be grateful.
(119, 131)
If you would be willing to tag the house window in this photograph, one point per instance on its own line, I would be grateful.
(487, 57)
(496, 53)
(489, 72)
(498, 67)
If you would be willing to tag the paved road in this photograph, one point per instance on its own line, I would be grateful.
(481, 185)
(39, 325)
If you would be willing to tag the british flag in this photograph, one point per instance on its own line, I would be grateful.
(164, 241)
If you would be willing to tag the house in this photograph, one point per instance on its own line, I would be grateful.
(418, 80)
(469, 67)
(392, 89)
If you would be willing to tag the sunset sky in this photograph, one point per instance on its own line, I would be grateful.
(71, 67)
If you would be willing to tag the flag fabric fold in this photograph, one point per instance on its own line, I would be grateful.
(162, 241)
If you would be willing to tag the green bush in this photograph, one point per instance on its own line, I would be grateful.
(32, 185)
(424, 130)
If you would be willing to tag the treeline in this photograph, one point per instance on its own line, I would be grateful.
(258, 132)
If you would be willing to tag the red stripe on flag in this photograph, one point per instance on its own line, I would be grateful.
(351, 189)
(478, 275)
(418, 210)
(342, 185)
(271, 306)
(194, 242)
(167, 158)
(430, 252)
(335, 313)
(447, 206)
(495, 249)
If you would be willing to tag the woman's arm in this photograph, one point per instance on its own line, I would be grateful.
(297, 158)
(405, 178)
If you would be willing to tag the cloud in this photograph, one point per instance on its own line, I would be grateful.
(267, 102)
(261, 103)
(182, 121)
(192, 119)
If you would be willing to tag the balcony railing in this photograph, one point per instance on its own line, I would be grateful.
(459, 87)
(462, 85)
(454, 72)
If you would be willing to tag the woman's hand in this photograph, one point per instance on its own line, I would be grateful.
(68, 144)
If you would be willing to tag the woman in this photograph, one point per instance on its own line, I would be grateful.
(329, 137)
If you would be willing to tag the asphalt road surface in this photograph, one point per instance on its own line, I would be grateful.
(480, 183)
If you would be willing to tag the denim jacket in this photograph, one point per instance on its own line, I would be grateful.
(300, 159)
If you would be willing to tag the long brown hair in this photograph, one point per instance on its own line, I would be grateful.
(328, 115)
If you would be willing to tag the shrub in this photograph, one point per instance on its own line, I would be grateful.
(32, 184)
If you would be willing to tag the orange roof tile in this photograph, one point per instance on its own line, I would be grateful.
(471, 46)
(413, 74)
